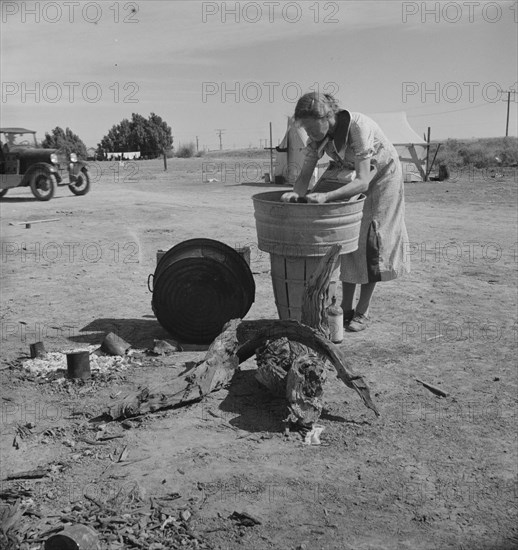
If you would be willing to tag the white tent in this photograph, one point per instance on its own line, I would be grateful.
(410, 147)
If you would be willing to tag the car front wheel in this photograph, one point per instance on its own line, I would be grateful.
(43, 185)
(82, 184)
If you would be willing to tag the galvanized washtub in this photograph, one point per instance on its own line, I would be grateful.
(297, 235)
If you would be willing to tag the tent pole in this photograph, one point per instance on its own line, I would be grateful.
(427, 155)
(417, 162)
(272, 177)
(428, 170)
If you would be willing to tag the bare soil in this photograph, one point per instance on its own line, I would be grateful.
(431, 473)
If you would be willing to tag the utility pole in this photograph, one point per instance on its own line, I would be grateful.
(271, 177)
(220, 131)
(271, 154)
(197, 148)
(508, 92)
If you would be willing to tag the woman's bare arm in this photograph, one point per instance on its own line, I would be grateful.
(301, 184)
(359, 185)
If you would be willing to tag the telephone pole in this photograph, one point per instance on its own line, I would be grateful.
(220, 131)
(197, 148)
(508, 92)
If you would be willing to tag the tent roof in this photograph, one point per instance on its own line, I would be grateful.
(296, 133)
(396, 127)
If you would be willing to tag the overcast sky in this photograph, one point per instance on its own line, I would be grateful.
(236, 66)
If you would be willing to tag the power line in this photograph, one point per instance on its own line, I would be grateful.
(485, 104)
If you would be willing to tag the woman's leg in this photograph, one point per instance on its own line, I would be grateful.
(359, 321)
(367, 290)
(348, 291)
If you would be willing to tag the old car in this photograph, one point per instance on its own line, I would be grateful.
(24, 163)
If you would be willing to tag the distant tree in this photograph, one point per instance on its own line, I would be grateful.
(160, 134)
(151, 136)
(186, 150)
(65, 140)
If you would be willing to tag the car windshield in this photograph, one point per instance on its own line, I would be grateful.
(14, 140)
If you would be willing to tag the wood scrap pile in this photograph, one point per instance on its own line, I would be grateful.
(132, 522)
(239, 341)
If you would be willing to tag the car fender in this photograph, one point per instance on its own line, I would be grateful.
(76, 167)
(48, 168)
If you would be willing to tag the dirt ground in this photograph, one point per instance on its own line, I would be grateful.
(430, 473)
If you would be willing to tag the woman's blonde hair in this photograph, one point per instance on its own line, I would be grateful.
(315, 105)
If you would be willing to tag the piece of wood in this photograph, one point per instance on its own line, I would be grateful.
(235, 344)
(29, 474)
(211, 374)
(433, 389)
(35, 221)
(252, 333)
(417, 162)
(316, 296)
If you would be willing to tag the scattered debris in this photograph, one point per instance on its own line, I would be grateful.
(55, 363)
(433, 389)
(185, 515)
(29, 474)
(75, 536)
(126, 520)
(28, 222)
(164, 347)
(114, 345)
(313, 436)
(244, 519)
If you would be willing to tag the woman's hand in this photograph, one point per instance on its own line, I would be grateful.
(318, 198)
(290, 196)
